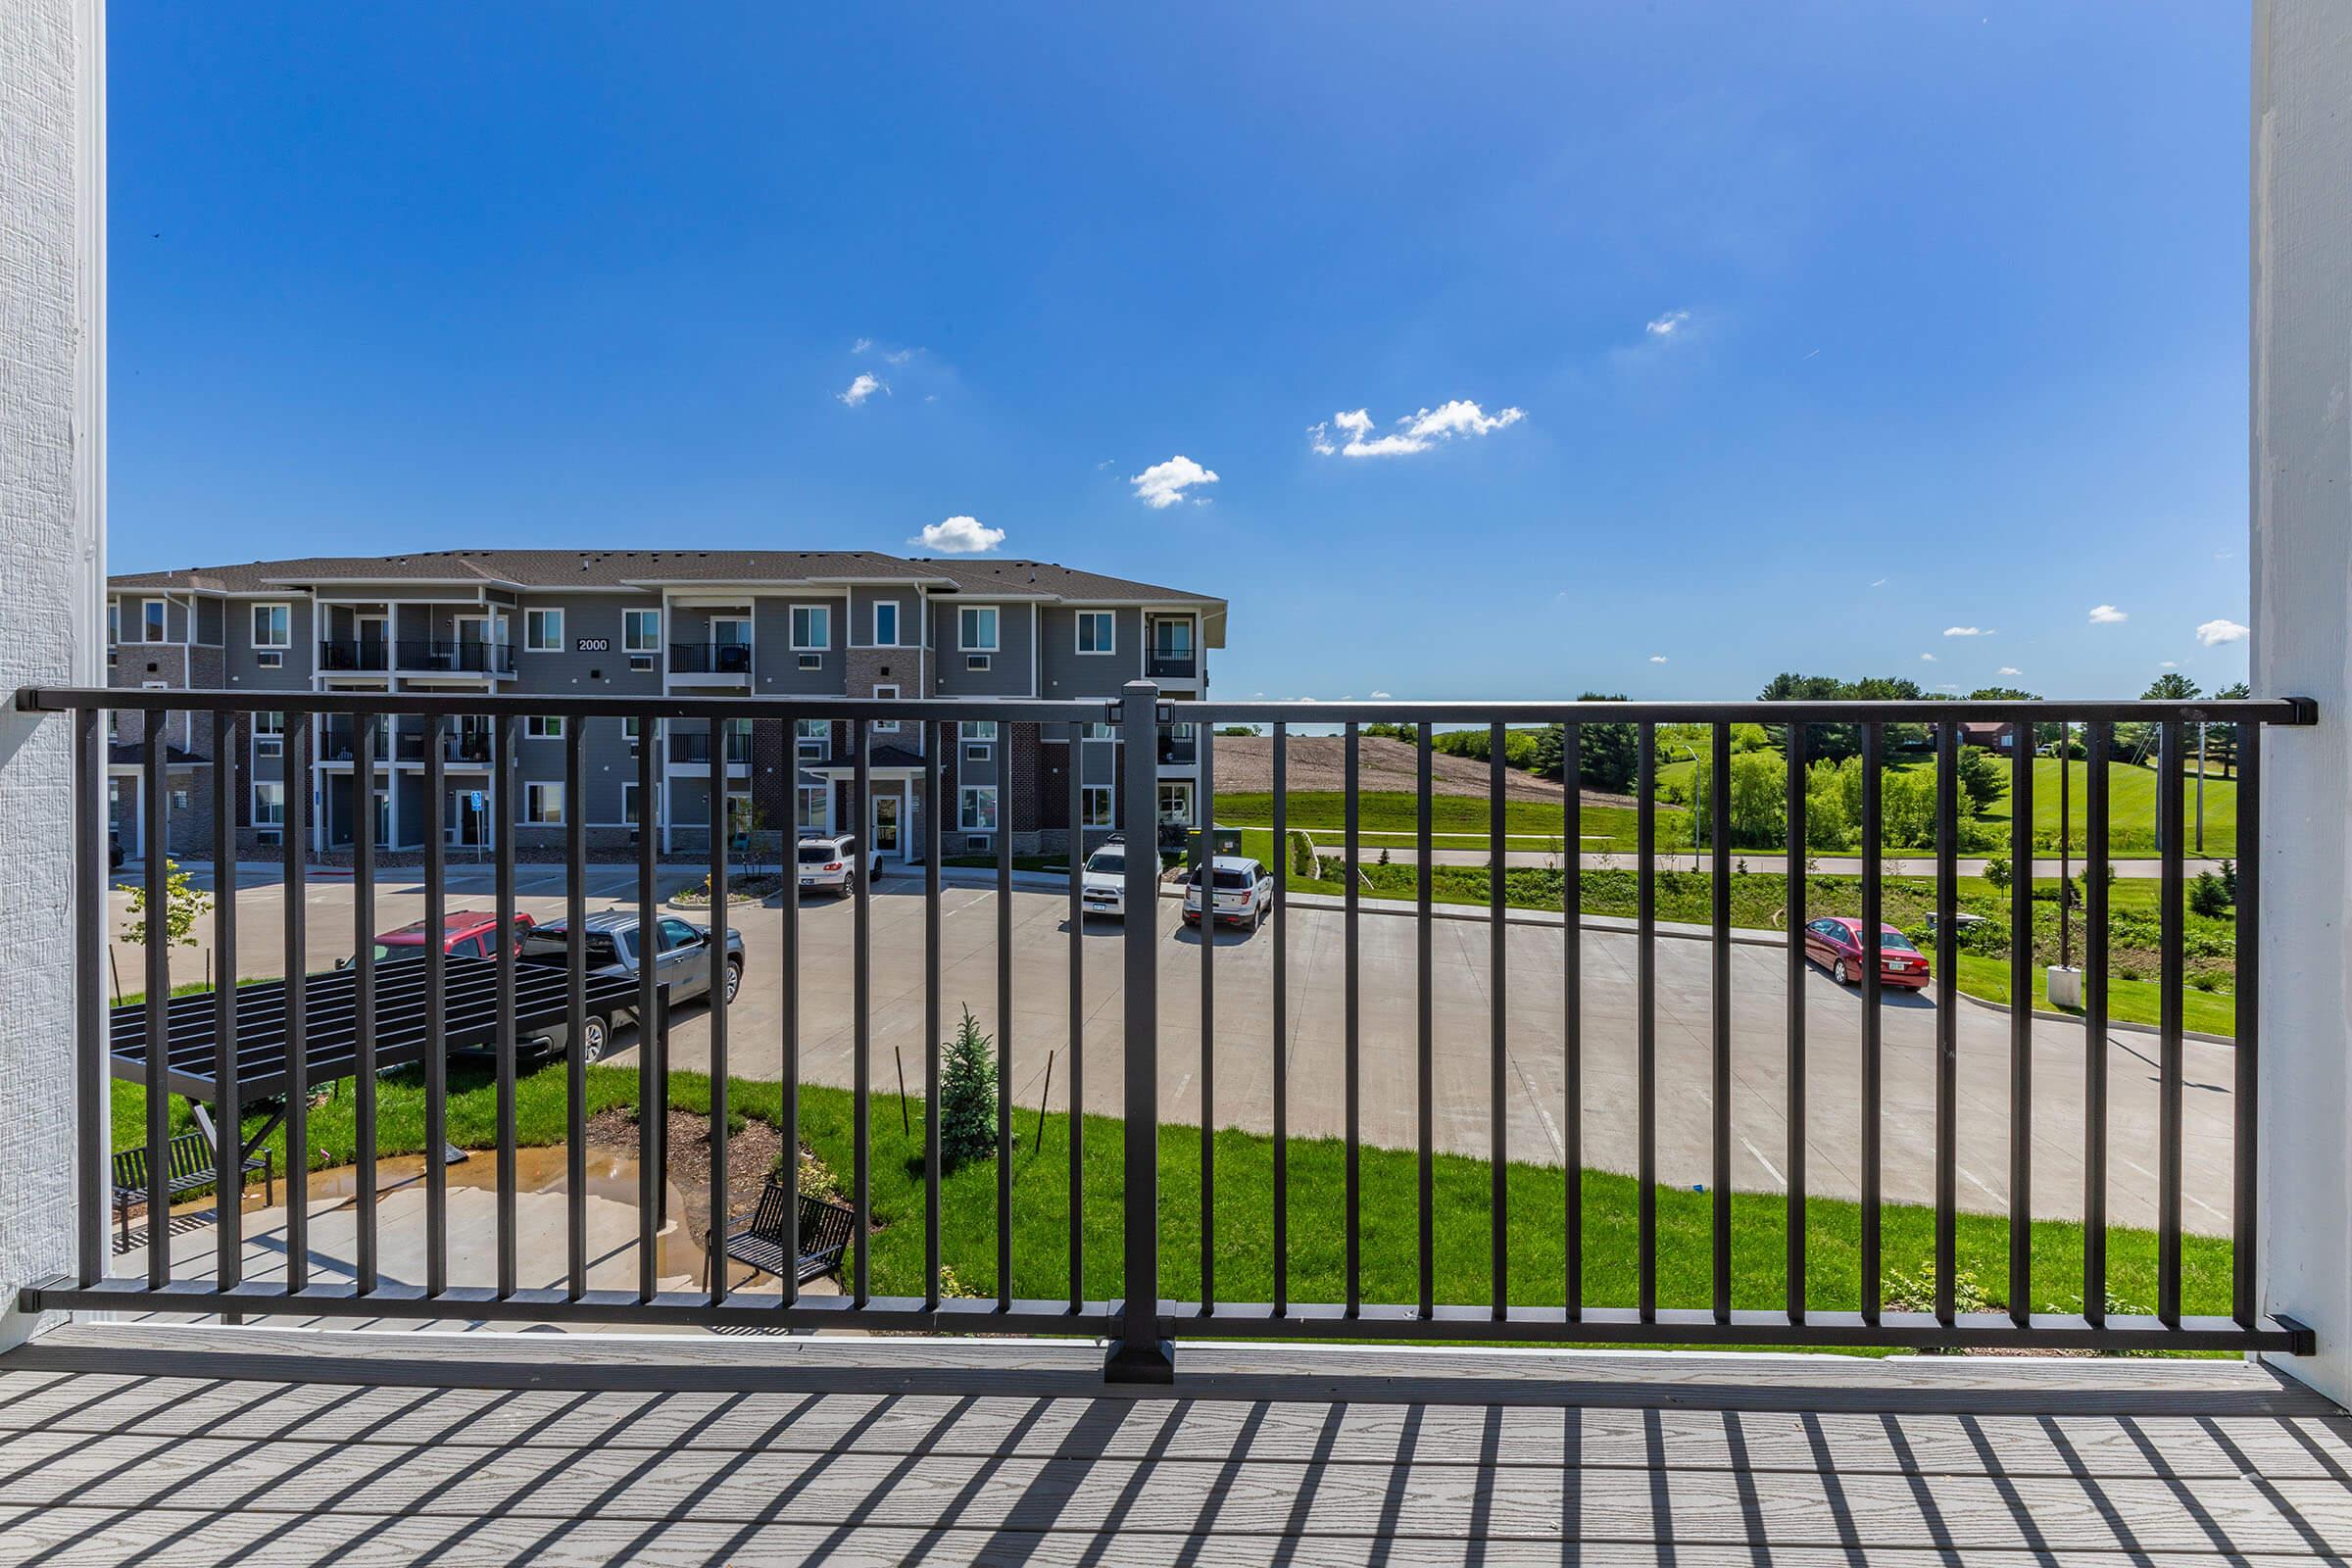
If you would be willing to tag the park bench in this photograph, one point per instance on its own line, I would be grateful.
(188, 1165)
(824, 1232)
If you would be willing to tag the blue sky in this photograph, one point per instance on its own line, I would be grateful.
(1738, 337)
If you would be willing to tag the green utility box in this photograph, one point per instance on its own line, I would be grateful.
(1225, 841)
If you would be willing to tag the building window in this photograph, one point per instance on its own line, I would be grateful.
(979, 731)
(1094, 805)
(153, 627)
(976, 809)
(1171, 639)
(543, 805)
(886, 726)
(1096, 631)
(886, 624)
(1176, 802)
(628, 803)
(812, 626)
(640, 631)
(274, 626)
(809, 806)
(542, 727)
(113, 622)
(269, 734)
(269, 804)
(632, 729)
(813, 738)
(1098, 732)
(543, 631)
(976, 628)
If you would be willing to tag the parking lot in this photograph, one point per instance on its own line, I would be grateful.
(1314, 1048)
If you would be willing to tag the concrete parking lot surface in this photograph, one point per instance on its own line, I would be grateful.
(1313, 1049)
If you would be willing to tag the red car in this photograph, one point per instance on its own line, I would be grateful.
(1836, 944)
(465, 934)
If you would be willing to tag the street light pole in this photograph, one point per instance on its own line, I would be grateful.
(2200, 786)
(2066, 823)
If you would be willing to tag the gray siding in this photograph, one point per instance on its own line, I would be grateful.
(245, 669)
(1009, 671)
(598, 675)
(861, 614)
(778, 669)
(1068, 674)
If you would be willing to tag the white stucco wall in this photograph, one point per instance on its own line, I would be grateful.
(2302, 560)
(51, 570)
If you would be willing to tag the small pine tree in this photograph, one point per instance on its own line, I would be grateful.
(2208, 895)
(967, 1096)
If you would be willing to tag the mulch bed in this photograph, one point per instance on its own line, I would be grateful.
(752, 1151)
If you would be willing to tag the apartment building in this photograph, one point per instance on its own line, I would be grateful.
(644, 623)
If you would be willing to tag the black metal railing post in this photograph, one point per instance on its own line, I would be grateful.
(1138, 1354)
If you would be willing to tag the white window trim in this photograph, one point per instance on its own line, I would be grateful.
(163, 628)
(965, 796)
(802, 742)
(792, 622)
(1191, 801)
(628, 797)
(251, 625)
(996, 645)
(531, 645)
(543, 726)
(255, 812)
(1110, 800)
(536, 790)
(891, 604)
(886, 692)
(1108, 619)
(629, 620)
(269, 743)
(823, 815)
(976, 731)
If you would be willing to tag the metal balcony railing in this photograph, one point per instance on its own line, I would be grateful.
(688, 747)
(362, 655)
(711, 659)
(463, 657)
(1171, 664)
(232, 1048)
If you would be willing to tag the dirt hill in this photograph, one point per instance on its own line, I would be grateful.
(1245, 765)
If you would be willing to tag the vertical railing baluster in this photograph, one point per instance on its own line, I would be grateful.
(1352, 1068)
(436, 1005)
(1874, 830)
(1005, 1022)
(1140, 1355)
(787, 1008)
(1947, 1014)
(935, 737)
(2097, 758)
(363, 963)
(1425, 1025)
(2173, 980)
(716, 952)
(1718, 841)
(505, 734)
(156, 949)
(1206, 795)
(1793, 868)
(1282, 1022)
(92, 1144)
(861, 1034)
(2246, 1081)
(1645, 1020)
(1077, 1028)
(2020, 1022)
(1572, 1003)
(228, 1143)
(296, 755)
(1498, 1170)
(651, 1128)
(575, 991)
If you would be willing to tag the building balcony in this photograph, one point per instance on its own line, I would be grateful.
(711, 659)
(1172, 663)
(364, 655)
(690, 748)
(463, 657)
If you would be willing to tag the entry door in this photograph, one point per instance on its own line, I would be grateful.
(383, 816)
(889, 824)
(469, 823)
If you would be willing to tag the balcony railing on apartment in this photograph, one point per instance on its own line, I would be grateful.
(467, 656)
(234, 1047)
(693, 745)
(354, 655)
(711, 659)
(1171, 664)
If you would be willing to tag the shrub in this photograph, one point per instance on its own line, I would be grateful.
(967, 1096)
(1302, 855)
(2208, 895)
(1997, 873)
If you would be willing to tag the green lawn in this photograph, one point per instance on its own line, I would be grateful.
(1393, 815)
(1244, 1260)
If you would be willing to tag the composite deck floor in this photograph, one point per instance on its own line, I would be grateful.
(141, 1442)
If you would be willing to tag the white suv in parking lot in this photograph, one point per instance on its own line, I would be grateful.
(1245, 890)
(830, 860)
(1102, 885)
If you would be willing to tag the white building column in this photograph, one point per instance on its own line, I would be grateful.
(2302, 598)
(52, 597)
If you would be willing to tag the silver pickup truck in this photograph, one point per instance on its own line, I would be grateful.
(682, 958)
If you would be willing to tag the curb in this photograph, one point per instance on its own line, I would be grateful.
(2047, 1015)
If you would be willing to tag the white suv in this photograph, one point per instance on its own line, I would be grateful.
(1245, 890)
(830, 860)
(1103, 886)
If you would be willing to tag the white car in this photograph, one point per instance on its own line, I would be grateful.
(1245, 891)
(1103, 884)
(830, 860)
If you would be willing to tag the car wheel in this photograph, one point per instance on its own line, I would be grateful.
(1841, 974)
(596, 1039)
(734, 978)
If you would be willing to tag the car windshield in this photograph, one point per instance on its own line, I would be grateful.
(547, 946)
(1111, 860)
(818, 854)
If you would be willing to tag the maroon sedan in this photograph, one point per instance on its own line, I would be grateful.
(1836, 944)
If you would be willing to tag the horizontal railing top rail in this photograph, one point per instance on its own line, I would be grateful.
(1920, 710)
(124, 699)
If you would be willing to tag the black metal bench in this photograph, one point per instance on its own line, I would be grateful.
(825, 1230)
(189, 1164)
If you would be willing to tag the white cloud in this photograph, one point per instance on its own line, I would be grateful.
(1968, 631)
(1418, 433)
(1879, 583)
(899, 356)
(1668, 325)
(2214, 633)
(1657, 659)
(861, 345)
(2008, 670)
(1927, 658)
(1163, 484)
(866, 386)
(2106, 615)
(959, 536)
(2170, 664)
(1380, 697)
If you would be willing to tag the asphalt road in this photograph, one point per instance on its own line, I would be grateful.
(1463, 989)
